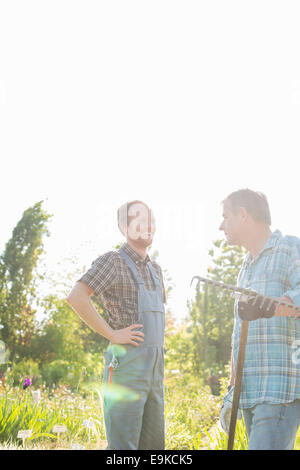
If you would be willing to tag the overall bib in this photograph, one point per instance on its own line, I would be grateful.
(139, 371)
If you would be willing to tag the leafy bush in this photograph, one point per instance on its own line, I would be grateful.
(73, 374)
(60, 371)
(21, 370)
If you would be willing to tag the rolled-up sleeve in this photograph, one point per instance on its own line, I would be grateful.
(101, 275)
(294, 275)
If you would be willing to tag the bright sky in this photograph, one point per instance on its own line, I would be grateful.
(175, 103)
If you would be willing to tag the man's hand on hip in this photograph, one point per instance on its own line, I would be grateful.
(128, 335)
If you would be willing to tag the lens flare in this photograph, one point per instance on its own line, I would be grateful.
(117, 350)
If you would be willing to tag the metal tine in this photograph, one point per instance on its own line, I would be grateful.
(205, 281)
(195, 277)
(241, 290)
(225, 287)
(285, 304)
(252, 298)
(269, 304)
(295, 310)
(199, 280)
(263, 301)
(239, 296)
(214, 283)
(292, 311)
(256, 298)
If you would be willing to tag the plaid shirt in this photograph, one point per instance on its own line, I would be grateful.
(271, 374)
(112, 280)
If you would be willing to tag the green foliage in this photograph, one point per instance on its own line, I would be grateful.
(18, 411)
(17, 265)
(57, 371)
(179, 354)
(72, 374)
(62, 337)
(59, 335)
(191, 414)
(62, 351)
(21, 370)
(217, 439)
(211, 313)
(92, 341)
(190, 410)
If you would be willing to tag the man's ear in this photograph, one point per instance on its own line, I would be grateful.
(243, 214)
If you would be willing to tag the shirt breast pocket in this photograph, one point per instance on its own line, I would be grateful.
(271, 282)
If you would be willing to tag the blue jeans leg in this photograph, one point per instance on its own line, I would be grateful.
(272, 427)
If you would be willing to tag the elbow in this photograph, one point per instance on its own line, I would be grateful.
(69, 299)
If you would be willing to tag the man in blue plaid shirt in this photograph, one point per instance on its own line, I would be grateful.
(270, 391)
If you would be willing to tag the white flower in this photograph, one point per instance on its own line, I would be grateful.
(89, 424)
(36, 395)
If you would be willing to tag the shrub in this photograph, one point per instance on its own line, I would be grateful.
(56, 372)
(20, 370)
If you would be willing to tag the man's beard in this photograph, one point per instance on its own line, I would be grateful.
(142, 242)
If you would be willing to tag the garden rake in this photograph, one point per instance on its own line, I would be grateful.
(252, 298)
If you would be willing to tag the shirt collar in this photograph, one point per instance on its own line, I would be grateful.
(269, 244)
(134, 255)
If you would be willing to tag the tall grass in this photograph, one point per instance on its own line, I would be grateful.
(18, 411)
(191, 414)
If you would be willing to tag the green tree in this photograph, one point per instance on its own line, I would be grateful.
(59, 336)
(17, 289)
(179, 354)
(211, 313)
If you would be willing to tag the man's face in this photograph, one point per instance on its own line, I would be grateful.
(231, 225)
(141, 224)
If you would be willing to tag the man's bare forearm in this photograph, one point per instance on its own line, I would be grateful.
(87, 312)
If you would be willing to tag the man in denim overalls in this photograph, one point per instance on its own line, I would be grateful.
(134, 361)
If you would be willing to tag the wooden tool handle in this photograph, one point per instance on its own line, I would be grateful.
(237, 384)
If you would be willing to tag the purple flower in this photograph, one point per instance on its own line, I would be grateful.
(26, 383)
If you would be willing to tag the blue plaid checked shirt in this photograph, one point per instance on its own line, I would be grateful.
(272, 367)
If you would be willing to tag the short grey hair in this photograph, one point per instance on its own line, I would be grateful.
(254, 202)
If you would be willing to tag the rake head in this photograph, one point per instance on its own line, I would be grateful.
(250, 297)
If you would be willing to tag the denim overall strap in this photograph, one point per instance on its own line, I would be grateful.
(154, 276)
(132, 266)
(148, 300)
